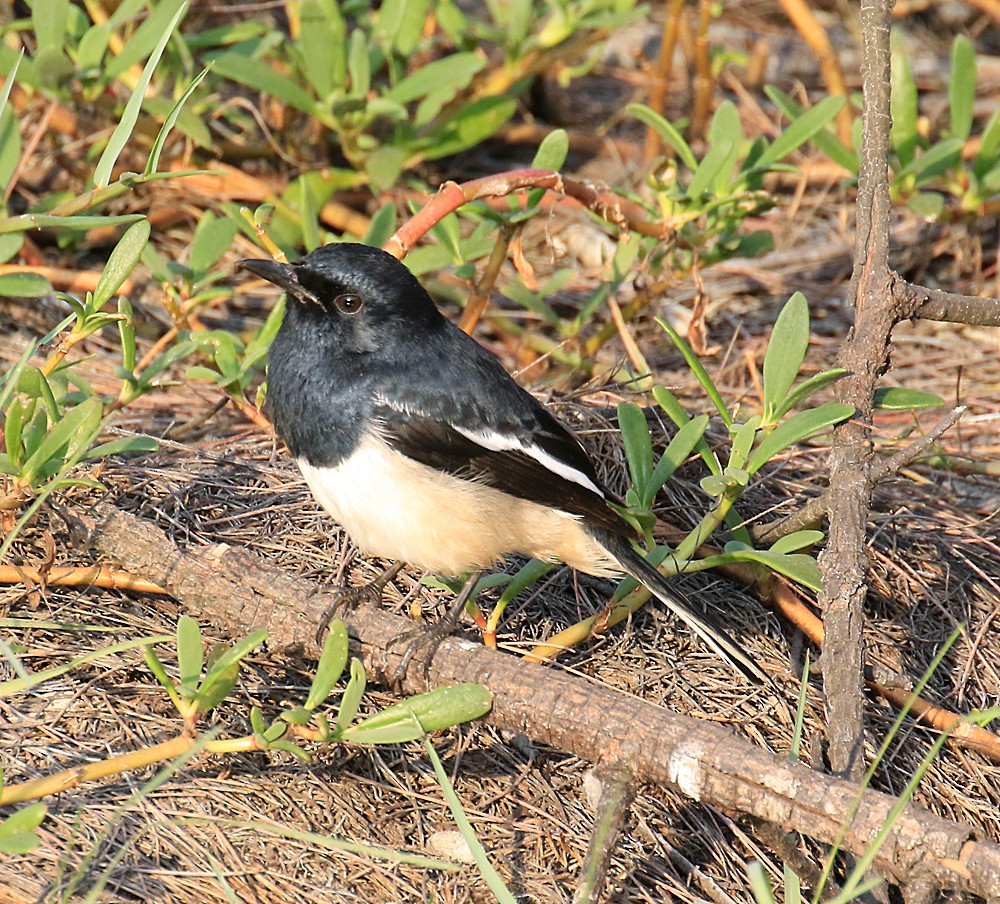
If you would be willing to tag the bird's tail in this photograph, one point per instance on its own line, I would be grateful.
(620, 549)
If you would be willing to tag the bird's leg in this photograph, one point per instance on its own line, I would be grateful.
(348, 598)
(430, 638)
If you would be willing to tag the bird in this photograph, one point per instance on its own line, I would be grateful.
(420, 444)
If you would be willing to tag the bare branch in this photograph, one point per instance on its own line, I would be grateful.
(936, 304)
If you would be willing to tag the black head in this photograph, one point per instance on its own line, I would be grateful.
(360, 297)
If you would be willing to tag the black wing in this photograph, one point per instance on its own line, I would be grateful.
(442, 445)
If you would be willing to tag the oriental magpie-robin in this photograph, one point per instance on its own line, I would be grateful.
(417, 440)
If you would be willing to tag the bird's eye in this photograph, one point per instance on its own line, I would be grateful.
(349, 303)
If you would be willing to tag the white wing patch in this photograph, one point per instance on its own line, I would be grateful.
(504, 442)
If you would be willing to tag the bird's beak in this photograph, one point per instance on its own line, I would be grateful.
(282, 275)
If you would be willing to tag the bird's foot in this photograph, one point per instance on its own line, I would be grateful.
(429, 639)
(348, 599)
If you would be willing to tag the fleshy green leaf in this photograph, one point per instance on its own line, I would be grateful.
(121, 263)
(805, 389)
(551, 153)
(675, 411)
(442, 707)
(742, 443)
(262, 77)
(676, 453)
(798, 540)
(223, 670)
(638, 445)
(123, 445)
(24, 285)
(904, 137)
(74, 431)
(824, 139)
(698, 369)
(786, 351)
(797, 428)
(666, 130)
(898, 398)
(190, 653)
(962, 86)
(801, 130)
(17, 831)
(381, 227)
(331, 665)
(351, 700)
(800, 567)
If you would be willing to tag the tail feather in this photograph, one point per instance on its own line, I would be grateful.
(620, 549)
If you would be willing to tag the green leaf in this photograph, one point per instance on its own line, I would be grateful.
(9, 82)
(142, 42)
(903, 136)
(934, 161)
(760, 885)
(400, 23)
(121, 263)
(453, 72)
(124, 445)
(898, 398)
(743, 438)
(786, 351)
(384, 166)
(805, 389)
(927, 204)
(49, 19)
(351, 700)
(190, 653)
(796, 541)
(471, 123)
(676, 453)
(381, 227)
(262, 77)
(551, 153)
(800, 567)
(797, 428)
(711, 168)
(223, 671)
(989, 144)
(825, 140)
(813, 121)
(28, 221)
(666, 130)
(675, 411)
(212, 238)
(331, 665)
(698, 369)
(200, 372)
(133, 109)
(727, 130)
(213, 692)
(359, 64)
(75, 431)
(526, 575)
(126, 333)
(321, 41)
(24, 285)
(637, 442)
(442, 707)
(962, 86)
(17, 831)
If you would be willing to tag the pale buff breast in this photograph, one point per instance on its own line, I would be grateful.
(397, 508)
